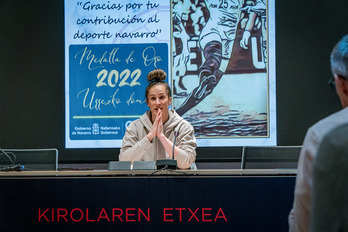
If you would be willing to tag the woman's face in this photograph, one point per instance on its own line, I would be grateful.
(158, 100)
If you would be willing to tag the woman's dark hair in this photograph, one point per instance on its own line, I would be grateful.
(157, 77)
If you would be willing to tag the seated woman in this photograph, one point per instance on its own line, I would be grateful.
(151, 136)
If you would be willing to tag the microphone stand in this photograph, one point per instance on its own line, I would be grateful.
(166, 166)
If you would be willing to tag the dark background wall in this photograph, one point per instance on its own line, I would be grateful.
(32, 73)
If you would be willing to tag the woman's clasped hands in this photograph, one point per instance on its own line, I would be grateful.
(157, 127)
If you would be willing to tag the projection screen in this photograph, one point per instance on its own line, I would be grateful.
(219, 57)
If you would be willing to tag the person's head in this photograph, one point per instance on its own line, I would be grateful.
(339, 68)
(158, 94)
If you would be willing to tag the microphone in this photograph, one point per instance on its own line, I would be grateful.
(176, 133)
(168, 163)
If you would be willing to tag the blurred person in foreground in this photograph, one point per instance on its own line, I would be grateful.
(299, 217)
(330, 184)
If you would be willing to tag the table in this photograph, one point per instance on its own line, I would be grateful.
(100, 200)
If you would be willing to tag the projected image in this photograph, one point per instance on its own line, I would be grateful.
(220, 67)
(110, 47)
(218, 56)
